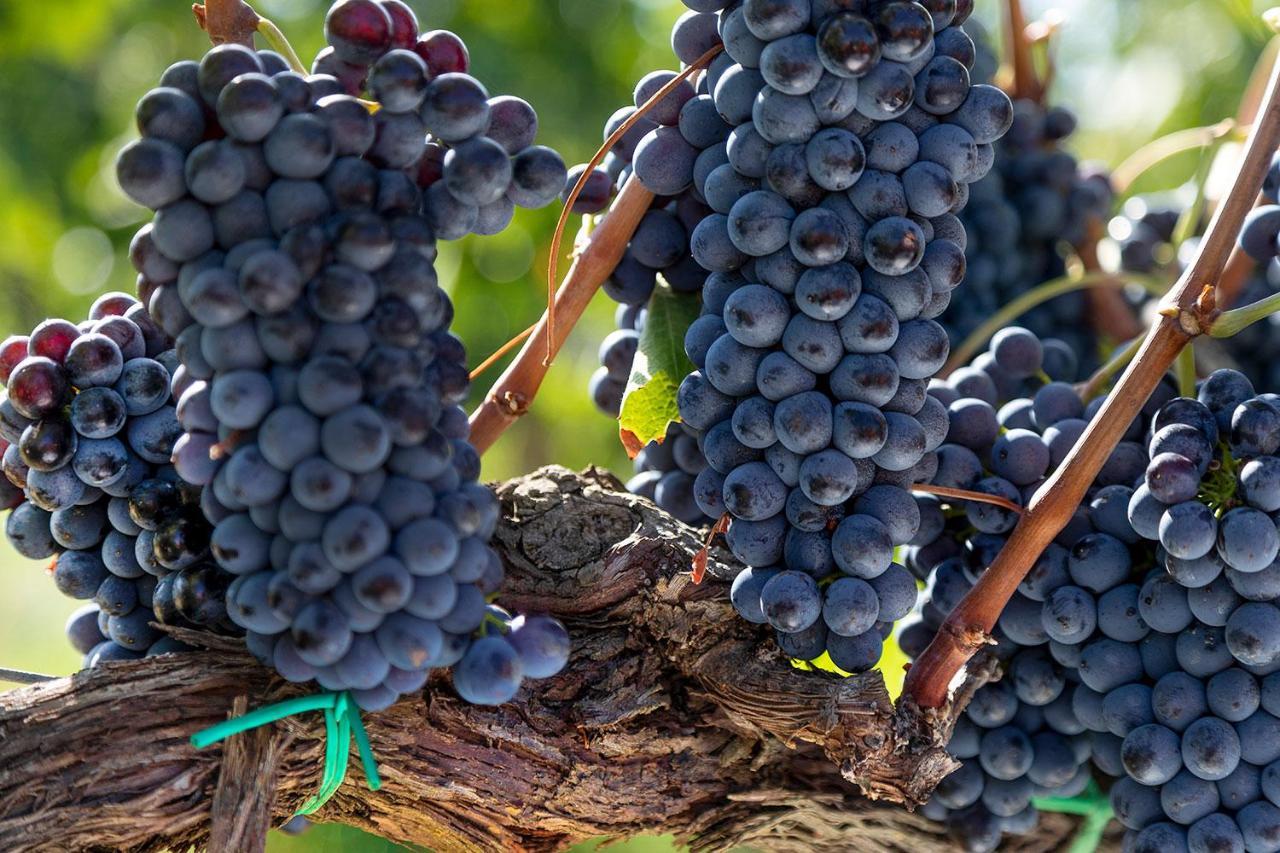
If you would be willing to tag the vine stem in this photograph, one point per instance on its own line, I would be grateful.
(1109, 314)
(1189, 309)
(1157, 151)
(280, 44)
(500, 352)
(21, 676)
(1030, 299)
(513, 392)
(1240, 266)
(1257, 85)
(966, 495)
(1185, 370)
(1230, 323)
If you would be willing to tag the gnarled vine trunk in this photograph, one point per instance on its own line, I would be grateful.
(674, 715)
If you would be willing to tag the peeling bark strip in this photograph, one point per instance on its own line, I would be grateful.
(674, 715)
(246, 786)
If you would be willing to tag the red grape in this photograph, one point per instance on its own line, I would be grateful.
(13, 350)
(52, 339)
(48, 444)
(404, 24)
(37, 387)
(358, 30)
(112, 304)
(443, 52)
(146, 288)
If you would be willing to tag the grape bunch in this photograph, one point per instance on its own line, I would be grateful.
(1140, 238)
(1009, 428)
(1176, 676)
(480, 161)
(833, 246)
(1191, 720)
(319, 388)
(1190, 736)
(89, 421)
(1213, 484)
(1150, 645)
(1022, 217)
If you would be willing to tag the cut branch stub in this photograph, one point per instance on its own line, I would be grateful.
(674, 715)
(227, 21)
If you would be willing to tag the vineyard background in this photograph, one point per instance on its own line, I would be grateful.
(71, 70)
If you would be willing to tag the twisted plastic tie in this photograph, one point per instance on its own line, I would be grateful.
(1093, 805)
(342, 722)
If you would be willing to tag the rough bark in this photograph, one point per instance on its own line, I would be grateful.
(674, 715)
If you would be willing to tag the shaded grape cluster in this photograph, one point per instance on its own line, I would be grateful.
(666, 471)
(89, 422)
(1019, 738)
(1027, 735)
(1022, 221)
(833, 246)
(319, 388)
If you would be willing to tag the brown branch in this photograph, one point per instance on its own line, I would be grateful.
(1024, 83)
(511, 395)
(1189, 308)
(1040, 34)
(227, 21)
(1097, 383)
(1240, 266)
(673, 715)
(20, 676)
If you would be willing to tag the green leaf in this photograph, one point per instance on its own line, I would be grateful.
(649, 404)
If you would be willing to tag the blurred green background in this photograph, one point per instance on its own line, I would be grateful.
(71, 70)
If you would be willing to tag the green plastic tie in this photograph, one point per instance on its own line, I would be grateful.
(341, 722)
(1093, 805)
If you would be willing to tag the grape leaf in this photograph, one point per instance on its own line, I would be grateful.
(649, 404)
